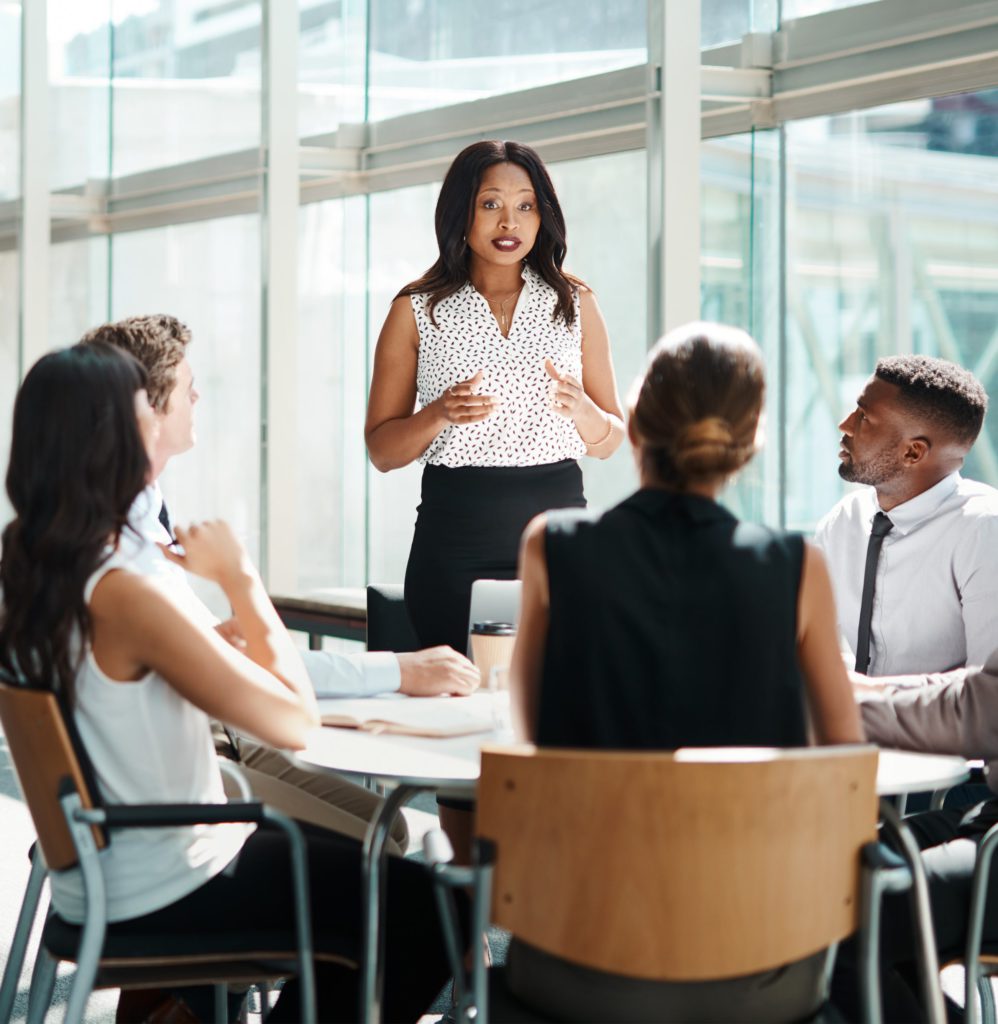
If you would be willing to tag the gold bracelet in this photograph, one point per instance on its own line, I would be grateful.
(606, 436)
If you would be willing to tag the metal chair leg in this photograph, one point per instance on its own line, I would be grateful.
(221, 1004)
(986, 994)
(42, 985)
(22, 932)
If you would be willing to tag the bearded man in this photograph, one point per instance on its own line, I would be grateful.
(913, 555)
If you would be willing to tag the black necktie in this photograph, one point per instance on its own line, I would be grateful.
(164, 518)
(881, 527)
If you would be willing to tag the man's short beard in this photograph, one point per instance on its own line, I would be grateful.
(876, 471)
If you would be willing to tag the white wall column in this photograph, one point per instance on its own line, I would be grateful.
(35, 203)
(279, 291)
(673, 139)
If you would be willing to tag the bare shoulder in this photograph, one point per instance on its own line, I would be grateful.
(401, 320)
(130, 598)
(120, 590)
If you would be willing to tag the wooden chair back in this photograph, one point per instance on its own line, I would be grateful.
(43, 753)
(694, 865)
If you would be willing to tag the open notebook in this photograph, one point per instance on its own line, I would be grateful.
(412, 716)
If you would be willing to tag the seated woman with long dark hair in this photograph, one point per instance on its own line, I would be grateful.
(88, 612)
(666, 622)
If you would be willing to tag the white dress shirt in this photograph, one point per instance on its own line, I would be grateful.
(936, 597)
(332, 675)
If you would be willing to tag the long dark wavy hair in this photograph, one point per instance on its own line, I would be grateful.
(456, 211)
(77, 462)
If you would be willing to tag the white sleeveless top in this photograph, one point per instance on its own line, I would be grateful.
(525, 430)
(147, 745)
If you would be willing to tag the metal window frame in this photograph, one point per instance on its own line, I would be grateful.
(863, 56)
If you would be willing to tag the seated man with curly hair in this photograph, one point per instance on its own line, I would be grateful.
(914, 555)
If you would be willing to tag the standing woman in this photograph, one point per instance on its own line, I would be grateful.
(508, 357)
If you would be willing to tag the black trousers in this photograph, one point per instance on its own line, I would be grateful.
(254, 895)
(468, 527)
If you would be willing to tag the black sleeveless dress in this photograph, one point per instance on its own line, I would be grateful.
(671, 624)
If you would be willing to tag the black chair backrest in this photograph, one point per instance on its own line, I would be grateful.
(388, 625)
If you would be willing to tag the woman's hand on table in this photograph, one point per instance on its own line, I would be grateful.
(460, 404)
(437, 671)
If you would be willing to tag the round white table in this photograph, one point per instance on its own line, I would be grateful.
(413, 764)
(900, 772)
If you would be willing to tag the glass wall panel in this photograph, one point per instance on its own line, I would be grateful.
(79, 33)
(801, 8)
(739, 275)
(9, 304)
(402, 247)
(604, 199)
(332, 393)
(431, 53)
(185, 76)
(332, 58)
(208, 275)
(78, 287)
(892, 247)
(726, 21)
(10, 99)
(186, 80)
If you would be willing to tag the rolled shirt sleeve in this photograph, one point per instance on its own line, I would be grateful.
(352, 675)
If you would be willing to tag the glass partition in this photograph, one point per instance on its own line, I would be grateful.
(207, 275)
(10, 99)
(433, 53)
(9, 304)
(186, 81)
(332, 64)
(892, 247)
(402, 246)
(79, 56)
(332, 394)
(78, 285)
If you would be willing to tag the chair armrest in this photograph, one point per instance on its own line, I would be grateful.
(882, 859)
(166, 815)
(80, 820)
(230, 768)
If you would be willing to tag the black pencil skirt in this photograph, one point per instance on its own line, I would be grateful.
(468, 527)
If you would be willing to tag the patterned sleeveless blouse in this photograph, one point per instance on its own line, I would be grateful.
(525, 430)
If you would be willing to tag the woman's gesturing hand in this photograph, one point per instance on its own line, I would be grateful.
(460, 404)
(210, 550)
(566, 394)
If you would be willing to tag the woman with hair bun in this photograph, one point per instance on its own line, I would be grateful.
(666, 622)
(508, 357)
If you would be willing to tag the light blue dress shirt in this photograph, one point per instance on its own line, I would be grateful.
(332, 674)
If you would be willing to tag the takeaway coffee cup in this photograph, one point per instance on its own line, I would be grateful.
(491, 647)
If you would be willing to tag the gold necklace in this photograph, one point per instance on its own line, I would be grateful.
(502, 307)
